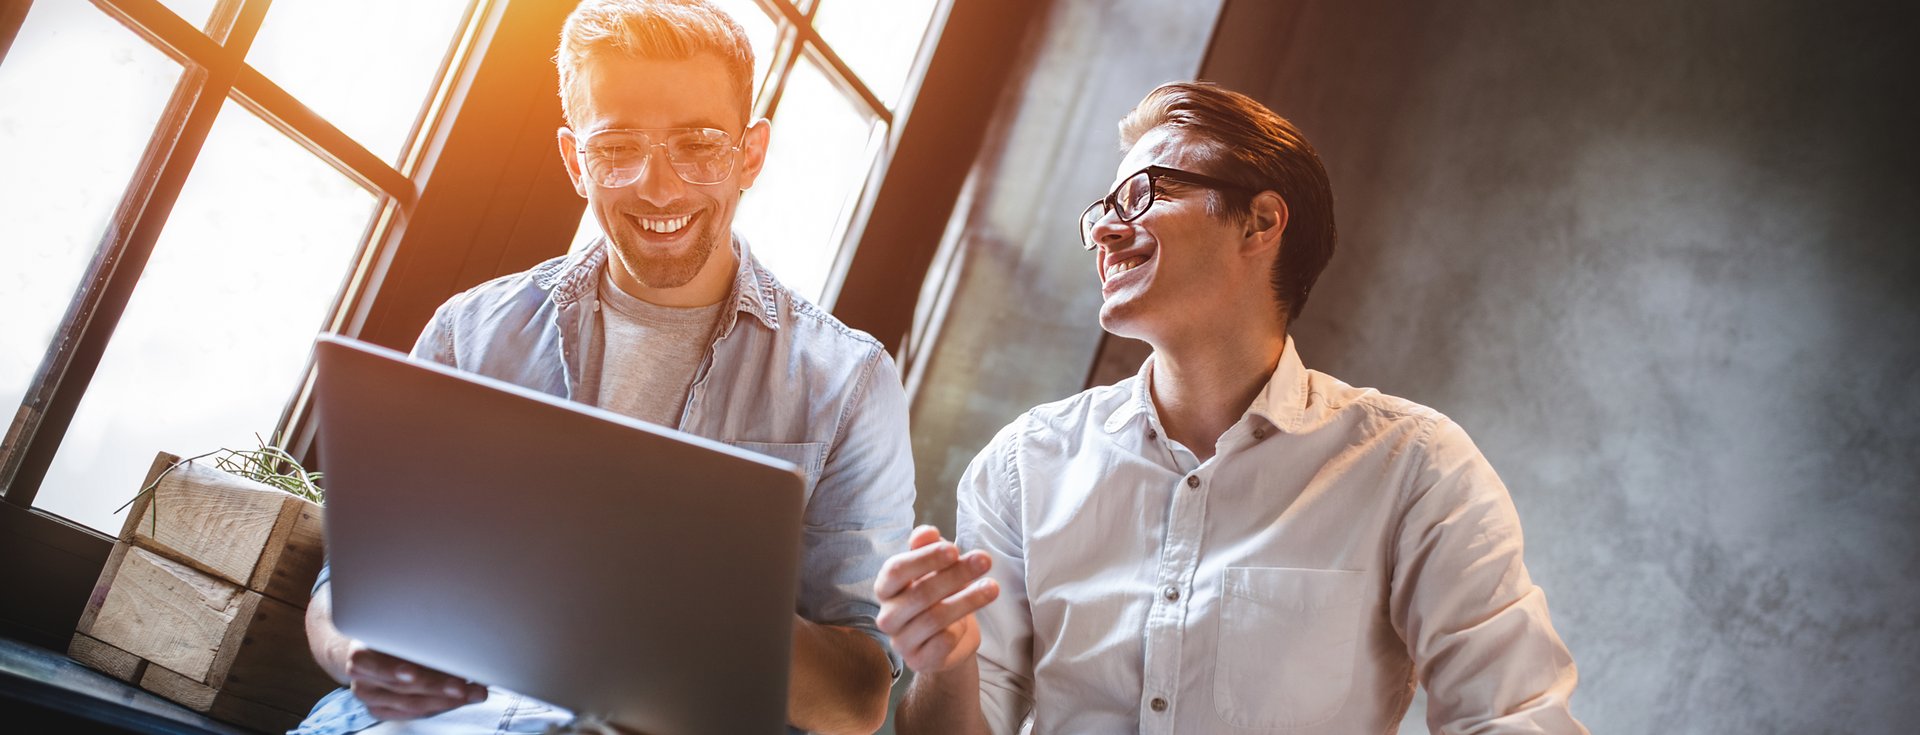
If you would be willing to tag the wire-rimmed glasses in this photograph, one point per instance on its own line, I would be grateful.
(617, 157)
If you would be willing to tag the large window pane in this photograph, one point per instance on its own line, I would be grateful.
(877, 38)
(218, 331)
(79, 95)
(822, 148)
(365, 65)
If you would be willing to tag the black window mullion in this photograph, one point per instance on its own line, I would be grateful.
(277, 108)
(779, 68)
(125, 247)
(837, 69)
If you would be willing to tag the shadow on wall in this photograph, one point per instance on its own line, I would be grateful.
(1659, 259)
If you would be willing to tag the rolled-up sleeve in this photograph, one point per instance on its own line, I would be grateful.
(1475, 624)
(989, 519)
(862, 508)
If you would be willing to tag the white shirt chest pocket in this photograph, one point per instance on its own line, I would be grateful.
(1289, 640)
(811, 457)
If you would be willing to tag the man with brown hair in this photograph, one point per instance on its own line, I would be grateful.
(1228, 541)
(670, 319)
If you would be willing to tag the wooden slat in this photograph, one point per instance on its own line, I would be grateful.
(106, 658)
(236, 637)
(101, 586)
(274, 665)
(293, 554)
(210, 519)
(217, 704)
(168, 613)
(179, 688)
(161, 462)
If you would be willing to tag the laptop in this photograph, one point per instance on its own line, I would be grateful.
(619, 569)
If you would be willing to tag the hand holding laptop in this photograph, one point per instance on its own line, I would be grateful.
(397, 689)
(392, 688)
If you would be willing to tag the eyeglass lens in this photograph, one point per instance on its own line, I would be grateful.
(615, 158)
(1130, 200)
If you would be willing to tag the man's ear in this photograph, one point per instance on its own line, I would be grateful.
(753, 151)
(571, 158)
(1266, 222)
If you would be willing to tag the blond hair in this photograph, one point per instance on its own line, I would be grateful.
(653, 29)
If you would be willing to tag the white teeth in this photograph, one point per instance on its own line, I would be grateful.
(664, 226)
(1117, 268)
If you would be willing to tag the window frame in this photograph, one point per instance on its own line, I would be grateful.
(213, 69)
(43, 551)
(479, 193)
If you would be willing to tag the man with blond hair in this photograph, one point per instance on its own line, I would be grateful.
(670, 319)
(1227, 541)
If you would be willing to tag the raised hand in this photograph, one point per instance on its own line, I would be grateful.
(928, 595)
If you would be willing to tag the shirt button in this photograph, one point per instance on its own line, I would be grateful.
(1170, 592)
(1193, 481)
(1260, 433)
(1152, 435)
(1158, 704)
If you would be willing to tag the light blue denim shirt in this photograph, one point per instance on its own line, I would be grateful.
(782, 378)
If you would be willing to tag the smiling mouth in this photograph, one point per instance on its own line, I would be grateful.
(662, 225)
(1121, 266)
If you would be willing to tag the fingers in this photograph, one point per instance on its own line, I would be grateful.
(929, 553)
(898, 609)
(387, 704)
(941, 622)
(939, 585)
(928, 595)
(922, 536)
(367, 667)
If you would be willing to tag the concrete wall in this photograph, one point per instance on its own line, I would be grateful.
(1660, 260)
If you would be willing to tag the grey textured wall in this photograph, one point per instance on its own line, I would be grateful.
(1660, 260)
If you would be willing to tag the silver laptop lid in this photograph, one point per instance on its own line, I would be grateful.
(608, 566)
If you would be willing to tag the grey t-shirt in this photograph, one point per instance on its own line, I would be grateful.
(649, 354)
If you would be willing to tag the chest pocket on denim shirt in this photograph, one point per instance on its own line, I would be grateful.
(810, 457)
(1288, 643)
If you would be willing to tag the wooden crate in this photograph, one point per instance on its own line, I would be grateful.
(204, 597)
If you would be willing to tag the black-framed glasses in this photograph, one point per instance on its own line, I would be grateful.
(1135, 195)
(617, 157)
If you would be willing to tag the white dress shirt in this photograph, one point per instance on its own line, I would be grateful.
(1339, 546)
